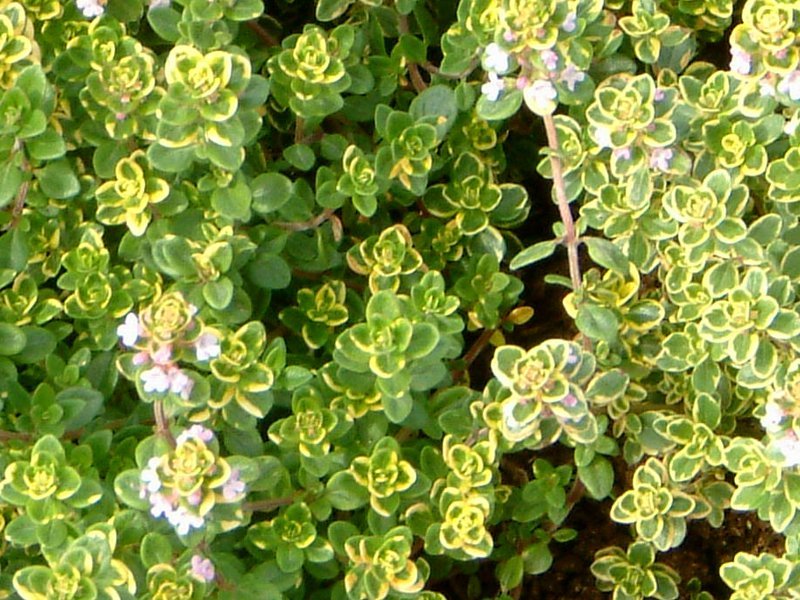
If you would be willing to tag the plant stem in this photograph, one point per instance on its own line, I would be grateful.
(571, 240)
(312, 223)
(162, 423)
(267, 505)
(264, 35)
(413, 69)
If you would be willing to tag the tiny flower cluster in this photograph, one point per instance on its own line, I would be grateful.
(157, 333)
(186, 484)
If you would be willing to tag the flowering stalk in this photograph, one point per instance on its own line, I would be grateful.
(571, 240)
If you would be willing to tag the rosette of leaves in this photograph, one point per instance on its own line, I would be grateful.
(707, 213)
(208, 111)
(462, 533)
(649, 29)
(165, 583)
(203, 268)
(16, 42)
(739, 145)
(634, 574)
(782, 175)
(85, 570)
(624, 118)
(215, 10)
(385, 475)
(317, 313)
(380, 565)
(309, 74)
(743, 324)
(471, 466)
(534, 25)
(24, 303)
(354, 393)
(45, 485)
(545, 384)
(439, 243)
(486, 292)
(573, 155)
(309, 430)
(711, 95)
(292, 536)
(616, 209)
(399, 352)
(762, 576)
(385, 257)
(244, 374)
(761, 484)
(168, 320)
(473, 200)
(657, 508)
(128, 198)
(119, 91)
(767, 28)
(430, 298)
(360, 181)
(406, 154)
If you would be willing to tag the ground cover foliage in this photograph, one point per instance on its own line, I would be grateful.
(251, 252)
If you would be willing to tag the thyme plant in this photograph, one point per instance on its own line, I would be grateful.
(250, 253)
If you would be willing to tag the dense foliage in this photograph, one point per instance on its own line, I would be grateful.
(248, 258)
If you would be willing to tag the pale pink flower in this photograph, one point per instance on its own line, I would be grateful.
(233, 487)
(180, 383)
(570, 23)
(141, 358)
(195, 498)
(550, 59)
(160, 505)
(660, 157)
(202, 568)
(207, 346)
(623, 153)
(163, 356)
(773, 415)
(149, 475)
(90, 8)
(570, 401)
(182, 520)
(197, 432)
(495, 58)
(790, 85)
(741, 61)
(602, 136)
(789, 447)
(129, 331)
(155, 380)
(493, 88)
(572, 77)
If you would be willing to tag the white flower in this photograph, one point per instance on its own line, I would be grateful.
(182, 520)
(790, 85)
(495, 58)
(741, 61)
(660, 157)
(207, 346)
(197, 432)
(149, 476)
(159, 3)
(129, 330)
(233, 487)
(91, 8)
(163, 356)
(603, 137)
(179, 383)
(140, 358)
(202, 568)
(791, 126)
(493, 88)
(540, 97)
(766, 88)
(773, 415)
(789, 447)
(160, 505)
(570, 23)
(155, 380)
(550, 59)
(572, 77)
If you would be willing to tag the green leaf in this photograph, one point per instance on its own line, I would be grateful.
(597, 322)
(503, 108)
(218, 293)
(155, 549)
(58, 180)
(606, 254)
(300, 156)
(270, 272)
(510, 572)
(344, 493)
(435, 105)
(531, 254)
(21, 531)
(46, 146)
(328, 10)
(164, 21)
(10, 180)
(537, 558)
(598, 477)
(12, 339)
(127, 485)
(270, 192)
